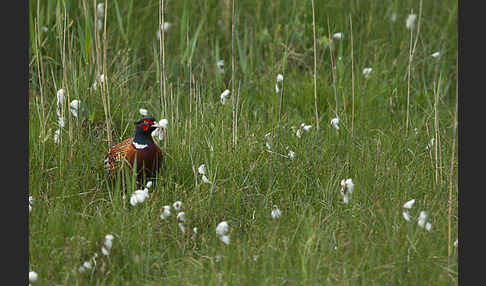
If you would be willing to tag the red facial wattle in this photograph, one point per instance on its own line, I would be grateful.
(146, 125)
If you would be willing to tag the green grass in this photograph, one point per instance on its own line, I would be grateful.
(319, 240)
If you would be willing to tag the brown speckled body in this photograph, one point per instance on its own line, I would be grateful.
(149, 159)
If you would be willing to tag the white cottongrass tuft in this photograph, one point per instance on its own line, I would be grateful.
(428, 226)
(422, 219)
(410, 24)
(165, 27)
(335, 122)
(166, 212)
(74, 107)
(101, 78)
(279, 79)
(164, 123)
(106, 248)
(435, 55)
(159, 131)
(202, 169)
(87, 265)
(33, 276)
(194, 232)
(139, 196)
(45, 29)
(60, 101)
(276, 212)
(100, 10)
(61, 121)
(225, 239)
(31, 201)
(291, 154)
(303, 127)
(347, 187)
(182, 227)
(57, 133)
(177, 205)
(221, 231)
(409, 204)
(181, 217)
(205, 179)
(149, 184)
(268, 140)
(367, 72)
(337, 36)
(456, 242)
(60, 96)
(406, 215)
(133, 200)
(81, 269)
(222, 228)
(268, 145)
(220, 65)
(105, 251)
(299, 133)
(109, 240)
(143, 111)
(393, 17)
(223, 96)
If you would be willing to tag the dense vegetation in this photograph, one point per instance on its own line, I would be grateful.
(397, 141)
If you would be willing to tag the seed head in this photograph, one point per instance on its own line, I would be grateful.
(410, 24)
(165, 212)
(177, 205)
(181, 217)
(335, 122)
(33, 276)
(276, 213)
(337, 36)
(100, 10)
(409, 204)
(223, 96)
(422, 219)
(406, 215)
(367, 72)
(202, 169)
(222, 228)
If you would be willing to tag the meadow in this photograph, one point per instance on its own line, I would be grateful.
(318, 92)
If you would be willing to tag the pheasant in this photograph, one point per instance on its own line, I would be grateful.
(140, 149)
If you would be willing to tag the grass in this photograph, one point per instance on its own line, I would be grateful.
(318, 240)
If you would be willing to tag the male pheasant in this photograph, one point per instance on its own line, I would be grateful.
(140, 149)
